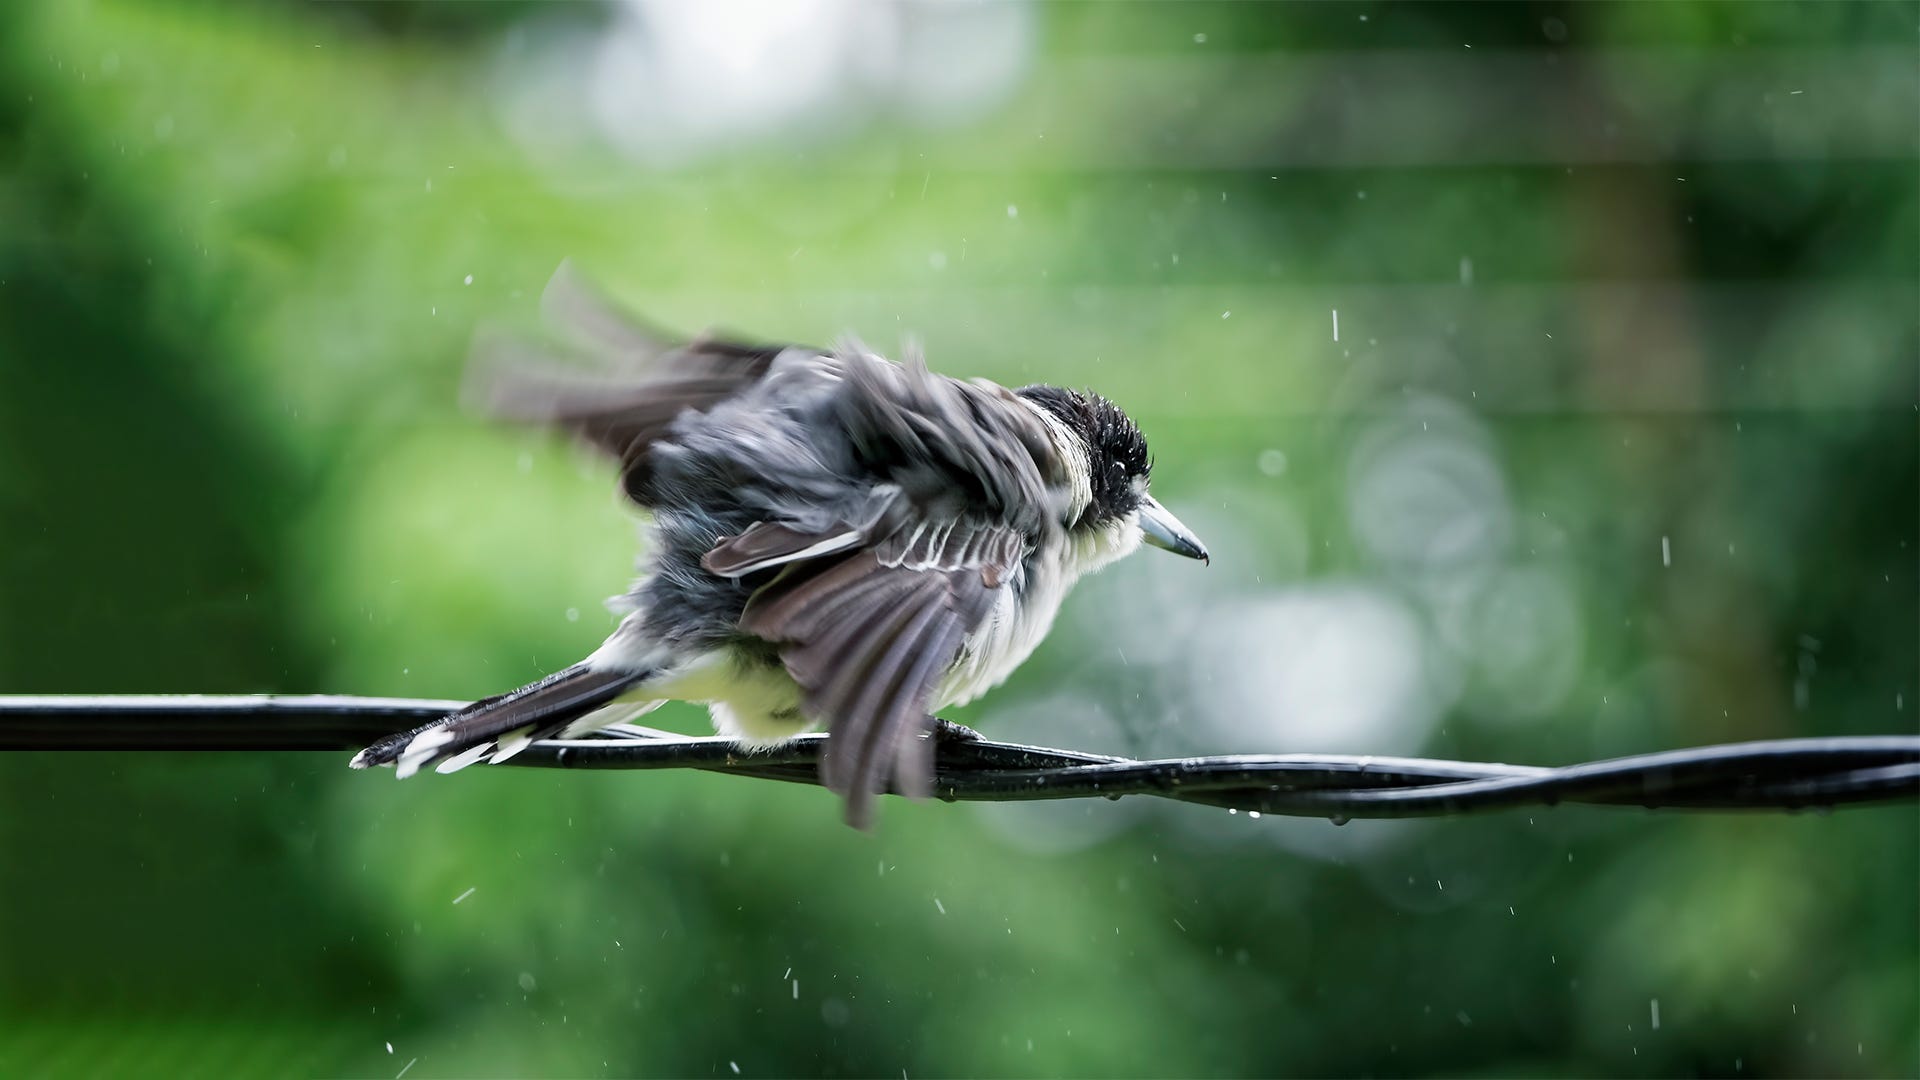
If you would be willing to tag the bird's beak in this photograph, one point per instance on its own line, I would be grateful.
(1163, 530)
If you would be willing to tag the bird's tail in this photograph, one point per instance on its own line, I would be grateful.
(497, 728)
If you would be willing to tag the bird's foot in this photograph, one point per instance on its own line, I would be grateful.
(948, 731)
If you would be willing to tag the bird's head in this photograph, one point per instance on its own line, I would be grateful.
(1110, 510)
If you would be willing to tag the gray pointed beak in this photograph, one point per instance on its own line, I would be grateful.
(1163, 530)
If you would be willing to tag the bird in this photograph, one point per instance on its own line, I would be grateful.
(831, 539)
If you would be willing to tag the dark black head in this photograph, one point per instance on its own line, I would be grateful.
(1117, 460)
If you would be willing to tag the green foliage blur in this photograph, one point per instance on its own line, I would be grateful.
(1543, 376)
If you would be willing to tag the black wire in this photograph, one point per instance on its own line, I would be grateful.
(1781, 774)
(207, 721)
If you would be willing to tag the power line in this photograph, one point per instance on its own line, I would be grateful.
(1778, 774)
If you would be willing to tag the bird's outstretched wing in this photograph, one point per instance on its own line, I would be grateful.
(626, 386)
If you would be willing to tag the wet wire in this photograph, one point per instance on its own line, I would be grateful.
(1777, 774)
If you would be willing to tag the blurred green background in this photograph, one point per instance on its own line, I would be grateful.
(1615, 451)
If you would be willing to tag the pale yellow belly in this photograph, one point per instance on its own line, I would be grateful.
(753, 703)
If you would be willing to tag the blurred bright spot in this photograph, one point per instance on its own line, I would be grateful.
(1426, 492)
(1527, 639)
(669, 81)
(1329, 667)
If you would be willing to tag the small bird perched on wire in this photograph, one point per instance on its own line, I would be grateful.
(835, 539)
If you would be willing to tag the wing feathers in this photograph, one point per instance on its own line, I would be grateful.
(974, 437)
(922, 652)
(768, 544)
(572, 303)
(890, 711)
(913, 758)
(629, 399)
(955, 545)
(875, 704)
(620, 417)
(803, 601)
(868, 641)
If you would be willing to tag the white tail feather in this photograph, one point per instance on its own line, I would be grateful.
(512, 743)
(420, 751)
(464, 758)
